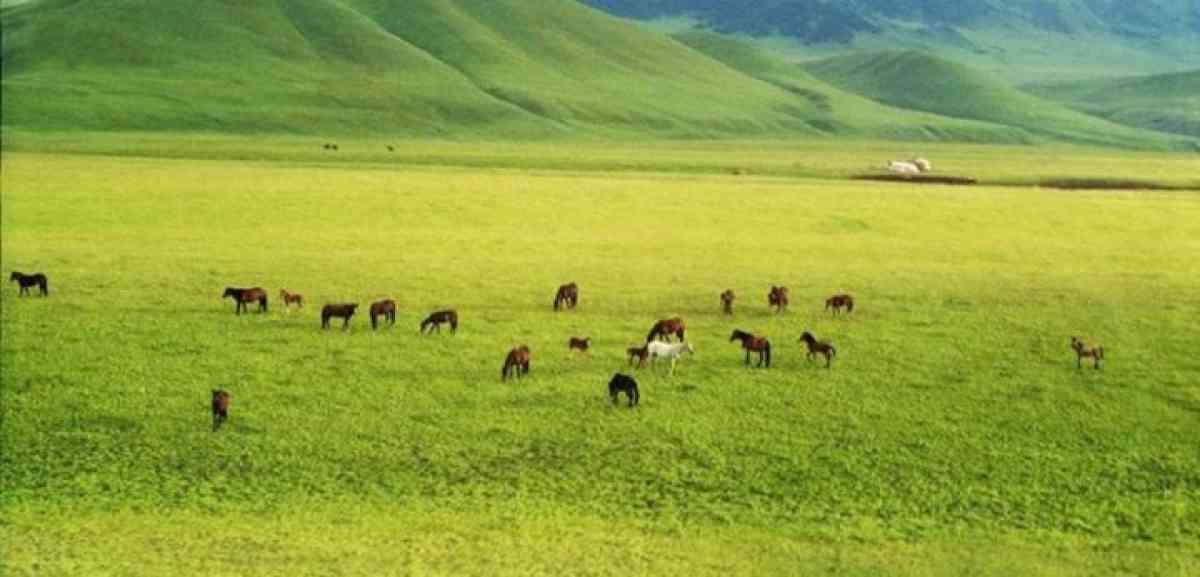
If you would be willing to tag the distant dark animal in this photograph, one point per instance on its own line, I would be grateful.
(341, 310)
(241, 296)
(567, 295)
(391, 148)
(777, 298)
(727, 301)
(665, 328)
(289, 298)
(385, 308)
(640, 353)
(578, 344)
(836, 302)
(623, 384)
(330, 146)
(754, 343)
(816, 347)
(24, 281)
(220, 408)
(1083, 350)
(516, 363)
(434, 321)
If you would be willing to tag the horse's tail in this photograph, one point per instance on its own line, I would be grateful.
(45, 286)
(767, 353)
(263, 301)
(832, 351)
(849, 305)
(1100, 353)
(557, 300)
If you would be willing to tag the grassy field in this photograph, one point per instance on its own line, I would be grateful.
(953, 434)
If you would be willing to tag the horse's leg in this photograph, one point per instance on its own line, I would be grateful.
(346, 323)
(747, 357)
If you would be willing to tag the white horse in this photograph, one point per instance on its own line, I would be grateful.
(671, 351)
(904, 168)
(922, 164)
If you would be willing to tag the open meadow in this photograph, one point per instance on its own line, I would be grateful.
(952, 435)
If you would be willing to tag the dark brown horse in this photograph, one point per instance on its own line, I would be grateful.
(1083, 350)
(341, 310)
(289, 298)
(578, 344)
(727, 301)
(816, 347)
(517, 362)
(758, 344)
(836, 302)
(640, 353)
(241, 296)
(24, 281)
(385, 308)
(665, 328)
(778, 298)
(220, 408)
(567, 296)
(623, 384)
(436, 319)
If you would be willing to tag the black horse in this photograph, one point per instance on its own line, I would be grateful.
(220, 408)
(241, 296)
(623, 384)
(24, 281)
(567, 296)
(434, 321)
(385, 308)
(342, 310)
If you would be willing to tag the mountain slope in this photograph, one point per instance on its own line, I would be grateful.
(1166, 102)
(920, 81)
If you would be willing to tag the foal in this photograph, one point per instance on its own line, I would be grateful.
(624, 384)
(639, 353)
(289, 298)
(436, 319)
(342, 310)
(568, 296)
(778, 298)
(755, 343)
(1083, 350)
(578, 344)
(241, 296)
(517, 362)
(24, 281)
(836, 302)
(385, 308)
(727, 301)
(816, 347)
(220, 408)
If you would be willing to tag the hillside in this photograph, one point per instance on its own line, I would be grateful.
(1165, 102)
(921, 81)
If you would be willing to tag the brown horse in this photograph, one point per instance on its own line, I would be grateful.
(758, 344)
(836, 302)
(385, 308)
(640, 353)
(567, 296)
(665, 328)
(241, 296)
(727, 301)
(436, 319)
(24, 281)
(341, 310)
(816, 347)
(220, 408)
(778, 298)
(289, 298)
(517, 362)
(578, 344)
(1083, 350)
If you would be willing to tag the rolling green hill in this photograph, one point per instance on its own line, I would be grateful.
(1165, 102)
(921, 81)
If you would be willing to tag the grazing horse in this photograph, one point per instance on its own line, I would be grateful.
(24, 281)
(727, 301)
(758, 344)
(623, 384)
(665, 328)
(578, 344)
(517, 363)
(436, 319)
(385, 308)
(836, 302)
(1083, 350)
(220, 408)
(639, 353)
(241, 296)
(816, 347)
(671, 351)
(778, 298)
(341, 310)
(289, 298)
(567, 296)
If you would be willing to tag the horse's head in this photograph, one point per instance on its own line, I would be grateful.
(229, 292)
(807, 337)
(14, 276)
(736, 335)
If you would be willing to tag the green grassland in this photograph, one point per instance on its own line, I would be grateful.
(952, 435)
(1165, 102)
